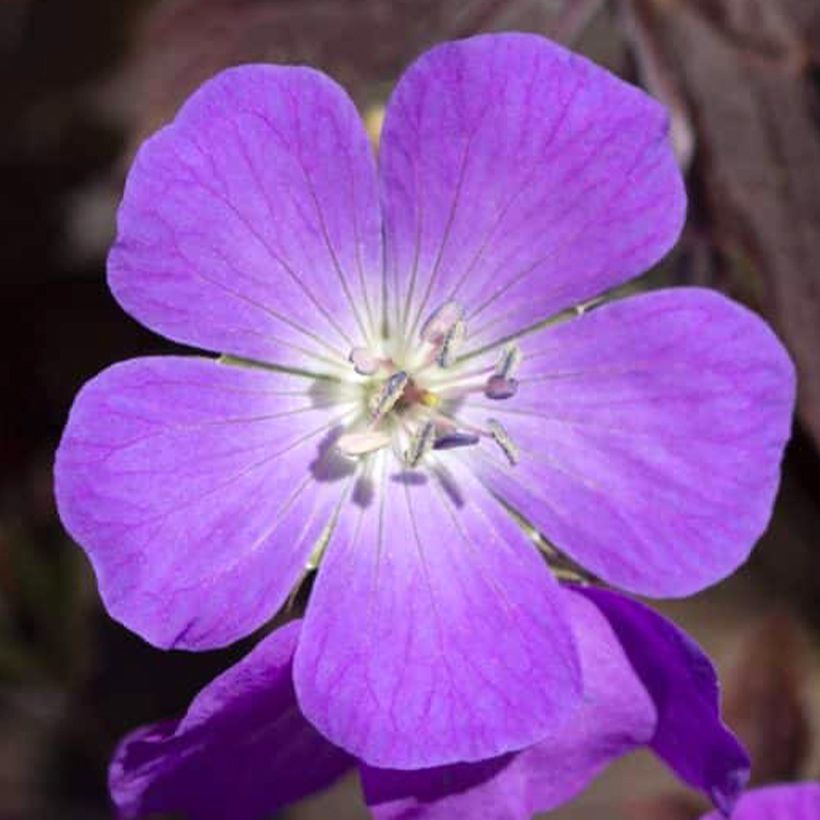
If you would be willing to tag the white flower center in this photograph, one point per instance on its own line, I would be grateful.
(411, 393)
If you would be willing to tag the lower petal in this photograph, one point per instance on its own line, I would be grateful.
(616, 715)
(690, 737)
(792, 801)
(435, 633)
(194, 488)
(242, 750)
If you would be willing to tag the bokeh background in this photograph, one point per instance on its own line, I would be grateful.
(83, 81)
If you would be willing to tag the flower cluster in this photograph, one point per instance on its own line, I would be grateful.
(421, 394)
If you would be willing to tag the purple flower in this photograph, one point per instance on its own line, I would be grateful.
(793, 801)
(244, 749)
(391, 391)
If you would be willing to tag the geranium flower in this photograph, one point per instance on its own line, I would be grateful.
(391, 392)
(786, 801)
(244, 749)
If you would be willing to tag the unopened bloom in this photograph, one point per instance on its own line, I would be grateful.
(390, 391)
(244, 749)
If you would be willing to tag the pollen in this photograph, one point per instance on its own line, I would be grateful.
(385, 400)
(451, 343)
(421, 444)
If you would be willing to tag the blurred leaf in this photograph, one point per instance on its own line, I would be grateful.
(359, 41)
(764, 701)
(664, 807)
(364, 44)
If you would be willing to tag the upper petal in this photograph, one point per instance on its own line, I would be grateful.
(651, 432)
(193, 488)
(250, 225)
(690, 735)
(242, 750)
(615, 716)
(434, 632)
(520, 179)
(788, 801)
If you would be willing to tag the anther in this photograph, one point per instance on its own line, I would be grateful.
(384, 401)
(498, 387)
(363, 361)
(359, 444)
(420, 444)
(440, 322)
(451, 343)
(502, 385)
(502, 438)
(450, 441)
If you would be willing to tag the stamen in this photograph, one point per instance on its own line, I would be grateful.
(363, 361)
(509, 361)
(451, 343)
(452, 440)
(392, 389)
(359, 444)
(498, 387)
(420, 444)
(502, 385)
(503, 440)
(440, 322)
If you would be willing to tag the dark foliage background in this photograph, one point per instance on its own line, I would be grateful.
(83, 81)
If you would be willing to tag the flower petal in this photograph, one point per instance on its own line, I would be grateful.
(788, 801)
(196, 489)
(616, 715)
(434, 633)
(242, 750)
(520, 179)
(690, 737)
(250, 225)
(651, 432)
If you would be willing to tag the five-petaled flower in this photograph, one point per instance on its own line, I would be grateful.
(412, 382)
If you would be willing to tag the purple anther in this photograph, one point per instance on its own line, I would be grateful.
(498, 387)
(452, 440)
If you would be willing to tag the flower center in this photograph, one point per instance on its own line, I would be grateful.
(412, 404)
